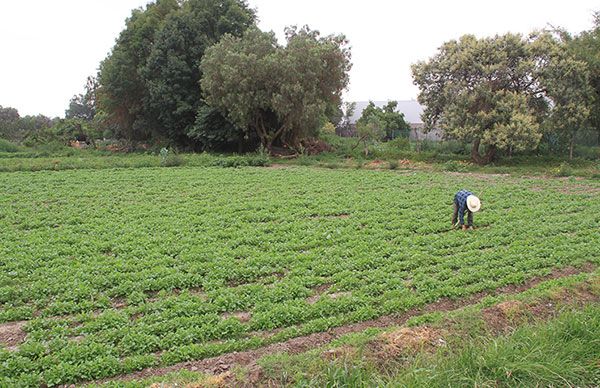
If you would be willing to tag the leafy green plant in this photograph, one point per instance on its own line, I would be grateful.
(564, 170)
(170, 158)
(114, 273)
(7, 146)
(453, 165)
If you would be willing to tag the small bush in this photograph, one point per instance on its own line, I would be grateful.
(168, 158)
(454, 166)
(427, 145)
(393, 164)
(564, 169)
(328, 128)
(259, 160)
(7, 146)
(589, 153)
(400, 143)
(304, 160)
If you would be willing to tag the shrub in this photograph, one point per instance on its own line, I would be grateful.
(589, 153)
(453, 165)
(328, 128)
(258, 160)
(564, 169)
(168, 158)
(7, 146)
(400, 143)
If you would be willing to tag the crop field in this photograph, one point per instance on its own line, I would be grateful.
(105, 272)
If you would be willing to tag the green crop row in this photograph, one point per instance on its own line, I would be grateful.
(117, 270)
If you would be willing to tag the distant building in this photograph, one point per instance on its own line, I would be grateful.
(412, 111)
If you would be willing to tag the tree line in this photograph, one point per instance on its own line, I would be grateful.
(200, 75)
(504, 93)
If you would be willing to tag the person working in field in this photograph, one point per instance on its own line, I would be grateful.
(465, 201)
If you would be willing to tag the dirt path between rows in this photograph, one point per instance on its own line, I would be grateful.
(12, 334)
(225, 362)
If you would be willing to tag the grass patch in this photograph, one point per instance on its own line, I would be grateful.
(562, 351)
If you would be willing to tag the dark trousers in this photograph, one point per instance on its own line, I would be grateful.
(455, 215)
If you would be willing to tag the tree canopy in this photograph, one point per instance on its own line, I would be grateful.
(123, 92)
(9, 118)
(149, 82)
(280, 93)
(586, 47)
(15, 127)
(500, 92)
(83, 105)
(392, 122)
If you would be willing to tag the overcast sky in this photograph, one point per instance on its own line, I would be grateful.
(50, 47)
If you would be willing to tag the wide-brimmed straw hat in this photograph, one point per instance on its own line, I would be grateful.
(473, 203)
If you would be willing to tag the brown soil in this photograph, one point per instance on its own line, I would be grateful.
(277, 166)
(481, 176)
(569, 188)
(315, 298)
(318, 291)
(12, 334)
(225, 362)
(342, 294)
(579, 189)
(375, 164)
(501, 317)
(242, 316)
(118, 303)
(405, 340)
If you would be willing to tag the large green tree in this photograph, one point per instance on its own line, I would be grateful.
(149, 82)
(280, 93)
(344, 127)
(566, 82)
(586, 47)
(9, 117)
(172, 70)
(123, 91)
(391, 121)
(83, 106)
(15, 127)
(500, 92)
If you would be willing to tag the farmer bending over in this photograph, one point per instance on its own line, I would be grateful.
(465, 201)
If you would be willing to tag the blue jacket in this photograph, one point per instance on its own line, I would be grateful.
(461, 201)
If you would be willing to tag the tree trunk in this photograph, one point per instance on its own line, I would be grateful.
(475, 156)
(482, 159)
(571, 146)
(418, 147)
(241, 144)
(358, 142)
(490, 154)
